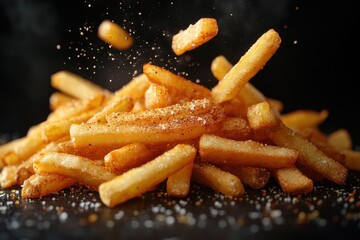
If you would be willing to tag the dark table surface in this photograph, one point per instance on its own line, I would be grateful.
(330, 211)
(314, 68)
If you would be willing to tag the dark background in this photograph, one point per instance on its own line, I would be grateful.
(316, 66)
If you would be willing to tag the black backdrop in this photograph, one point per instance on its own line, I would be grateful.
(315, 68)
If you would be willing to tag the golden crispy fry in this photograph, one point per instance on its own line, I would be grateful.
(300, 119)
(249, 64)
(138, 180)
(82, 169)
(324, 146)
(248, 153)
(54, 130)
(292, 181)
(75, 108)
(217, 179)
(75, 85)
(195, 35)
(261, 117)
(130, 156)
(177, 86)
(25, 149)
(309, 154)
(90, 152)
(58, 98)
(173, 130)
(8, 176)
(7, 148)
(178, 183)
(115, 35)
(156, 96)
(310, 173)
(236, 128)
(220, 66)
(275, 104)
(340, 139)
(42, 184)
(254, 177)
(174, 113)
(135, 88)
(352, 159)
(117, 104)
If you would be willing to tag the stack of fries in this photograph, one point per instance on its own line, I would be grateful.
(162, 127)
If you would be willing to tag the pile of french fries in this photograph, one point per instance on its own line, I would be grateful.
(162, 127)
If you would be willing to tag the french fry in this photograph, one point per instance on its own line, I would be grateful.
(340, 139)
(82, 169)
(7, 148)
(177, 85)
(75, 85)
(220, 66)
(57, 129)
(221, 181)
(138, 180)
(352, 159)
(115, 35)
(292, 181)
(309, 154)
(75, 108)
(174, 113)
(178, 183)
(194, 35)
(42, 184)
(248, 153)
(57, 99)
(120, 104)
(130, 156)
(261, 117)
(173, 130)
(8, 176)
(236, 128)
(248, 65)
(156, 96)
(135, 88)
(254, 177)
(304, 118)
(90, 152)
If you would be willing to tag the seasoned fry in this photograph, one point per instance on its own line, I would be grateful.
(301, 119)
(254, 177)
(195, 35)
(292, 181)
(130, 156)
(217, 179)
(120, 104)
(178, 87)
(220, 66)
(178, 183)
(340, 139)
(156, 96)
(178, 129)
(42, 184)
(135, 88)
(75, 85)
(174, 113)
(249, 64)
(236, 128)
(352, 159)
(8, 176)
(115, 35)
(310, 155)
(57, 99)
(248, 153)
(137, 181)
(82, 169)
